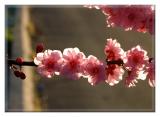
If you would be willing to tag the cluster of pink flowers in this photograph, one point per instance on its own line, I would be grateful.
(136, 61)
(73, 64)
(130, 17)
(114, 72)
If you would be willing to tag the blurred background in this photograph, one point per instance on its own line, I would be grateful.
(60, 27)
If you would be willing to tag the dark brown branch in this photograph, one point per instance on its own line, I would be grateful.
(25, 63)
(31, 63)
(118, 62)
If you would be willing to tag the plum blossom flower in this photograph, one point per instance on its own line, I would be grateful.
(49, 62)
(94, 70)
(136, 58)
(114, 74)
(114, 15)
(150, 23)
(72, 66)
(133, 76)
(150, 69)
(129, 17)
(131, 79)
(113, 50)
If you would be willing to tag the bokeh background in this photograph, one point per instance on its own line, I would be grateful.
(60, 27)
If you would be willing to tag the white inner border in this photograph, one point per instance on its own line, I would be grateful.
(77, 2)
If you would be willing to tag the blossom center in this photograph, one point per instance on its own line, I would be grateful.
(50, 64)
(73, 64)
(95, 70)
(110, 54)
(136, 59)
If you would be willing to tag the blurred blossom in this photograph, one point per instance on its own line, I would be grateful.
(130, 17)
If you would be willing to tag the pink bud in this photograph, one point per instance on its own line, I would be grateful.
(39, 47)
(19, 60)
(22, 75)
(17, 73)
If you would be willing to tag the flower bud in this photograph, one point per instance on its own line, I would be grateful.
(19, 60)
(17, 73)
(22, 75)
(39, 47)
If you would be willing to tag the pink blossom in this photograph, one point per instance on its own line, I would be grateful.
(114, 15)
(49, 62)
(150, 23)
(136, 58)
(129, 17)
(72, 66)
(94, 70)
(131, 79)
(136, 16)
(113, 50)
(134, 76)
(114, 74)
(150, 69)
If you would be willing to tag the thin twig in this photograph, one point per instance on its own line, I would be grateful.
(118, 62)
(25, 63)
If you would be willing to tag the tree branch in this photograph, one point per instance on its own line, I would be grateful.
(31, 63)
(25, 63)
(118, 62)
